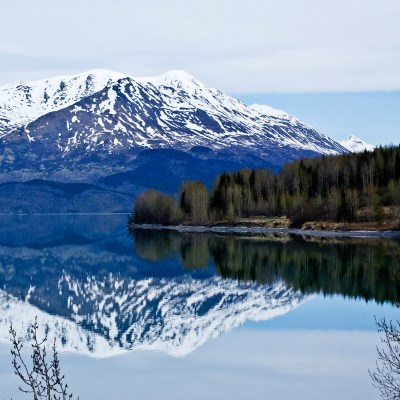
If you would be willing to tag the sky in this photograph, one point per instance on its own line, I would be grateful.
(334, 64)
(244, 364)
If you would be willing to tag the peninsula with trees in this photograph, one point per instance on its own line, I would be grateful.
(359, 191)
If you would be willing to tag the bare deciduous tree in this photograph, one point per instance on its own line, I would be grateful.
(41, 378)
(386, 377)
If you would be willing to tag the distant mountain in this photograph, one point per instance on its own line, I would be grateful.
(356, 145)
(100, 125)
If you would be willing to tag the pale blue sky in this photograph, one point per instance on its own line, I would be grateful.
(244, 364)
(372, 116)
(258, 46)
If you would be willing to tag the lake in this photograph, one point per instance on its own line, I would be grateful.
(145, 314)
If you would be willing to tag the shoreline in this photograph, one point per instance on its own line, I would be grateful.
(228, 229)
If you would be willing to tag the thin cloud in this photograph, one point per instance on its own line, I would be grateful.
(241, 47)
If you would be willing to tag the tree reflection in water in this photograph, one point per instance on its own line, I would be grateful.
(357, 268)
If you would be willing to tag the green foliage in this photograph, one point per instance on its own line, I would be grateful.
(348, 188)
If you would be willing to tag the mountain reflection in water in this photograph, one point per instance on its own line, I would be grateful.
(100, 295)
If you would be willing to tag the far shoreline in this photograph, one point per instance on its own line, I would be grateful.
(242, 229)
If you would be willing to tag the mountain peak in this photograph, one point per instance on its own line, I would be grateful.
(356, 145)
(176, 78)
(178, 74)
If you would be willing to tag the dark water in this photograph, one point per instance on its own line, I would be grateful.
(278, 307)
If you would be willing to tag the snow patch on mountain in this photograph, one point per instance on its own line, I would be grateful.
(269, 111)
(23, 102)
(356, 145)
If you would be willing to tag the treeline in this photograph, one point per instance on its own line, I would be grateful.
(349, 187)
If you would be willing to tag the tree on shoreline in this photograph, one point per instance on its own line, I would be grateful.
(153, 207)
(194, 202)
(358, 187)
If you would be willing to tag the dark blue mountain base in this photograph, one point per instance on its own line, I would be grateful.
(109, 191)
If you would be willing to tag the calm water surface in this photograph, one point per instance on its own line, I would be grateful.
(148, 313)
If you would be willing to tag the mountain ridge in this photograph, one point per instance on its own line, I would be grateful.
(177, 95)
(94, 126)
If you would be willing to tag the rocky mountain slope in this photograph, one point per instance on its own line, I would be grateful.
(105, 110)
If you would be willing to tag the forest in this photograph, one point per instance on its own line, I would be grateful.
(353, 187)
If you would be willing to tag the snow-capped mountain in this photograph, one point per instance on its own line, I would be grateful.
(356, 145)
(127, 134)
(102, 110)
